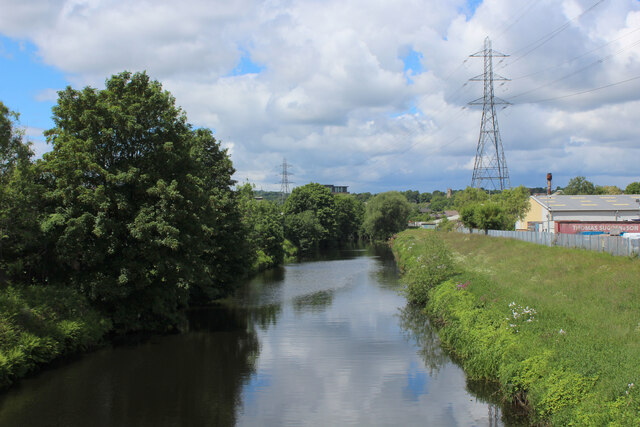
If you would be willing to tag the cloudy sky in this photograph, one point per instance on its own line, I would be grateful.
(369, 94)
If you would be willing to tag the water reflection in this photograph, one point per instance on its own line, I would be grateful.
(317, 301)
(328, 342)
(417, 329)
(190, 379)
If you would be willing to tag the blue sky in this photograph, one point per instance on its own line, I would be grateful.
(26, 81)
(373, 96)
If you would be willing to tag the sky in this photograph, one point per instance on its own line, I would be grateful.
(369, 94)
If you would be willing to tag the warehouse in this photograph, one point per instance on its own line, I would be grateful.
(582, 213)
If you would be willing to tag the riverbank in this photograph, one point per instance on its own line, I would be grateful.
(558, 328)
(40, 324)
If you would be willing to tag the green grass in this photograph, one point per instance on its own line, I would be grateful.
(41, 323)
(574, 362)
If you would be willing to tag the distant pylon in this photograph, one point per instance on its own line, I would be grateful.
(284, 185)
(490, 165)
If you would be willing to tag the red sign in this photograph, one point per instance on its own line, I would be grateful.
(605, 227)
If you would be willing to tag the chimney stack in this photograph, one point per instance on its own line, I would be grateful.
(549, 177)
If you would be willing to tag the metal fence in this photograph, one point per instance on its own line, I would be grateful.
(613, 245)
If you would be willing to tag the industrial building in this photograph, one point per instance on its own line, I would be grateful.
(583, 214)
(337, 189)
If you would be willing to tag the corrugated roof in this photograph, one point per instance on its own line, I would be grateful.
(558, 202)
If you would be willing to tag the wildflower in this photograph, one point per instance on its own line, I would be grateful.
(562, 331)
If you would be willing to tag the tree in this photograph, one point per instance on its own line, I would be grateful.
(363, 197)
(14, 151)
(608, 189)
(141, 208)
(20, 204)
(425, 197)
(264, 229)
(468, 216)
(469, 195)
(492, 216)
(318, 199)
(514, 203)
(439, 202)
(633, 188)
(304, 230)
(349, 217)
(579, 185)
(386, 214)
(413, 196)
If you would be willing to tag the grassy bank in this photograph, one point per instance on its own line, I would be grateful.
(558, 328)
(39, 324)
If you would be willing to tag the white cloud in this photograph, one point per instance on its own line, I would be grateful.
(333, 83)
(47, 95)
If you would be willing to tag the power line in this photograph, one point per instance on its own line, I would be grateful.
(515, 21)
(584, 91)
(599, 61)
(544, 39)
(576, 57)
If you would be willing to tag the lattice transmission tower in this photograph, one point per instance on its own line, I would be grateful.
(284, 183)
(490, 167)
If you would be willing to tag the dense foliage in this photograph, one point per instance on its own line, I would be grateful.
(386, 214)
(633, 188)
(264, 229)
(132, 208)
(496, 212)
(41, 323)
(315, 218)
(141, 210)
(579, 185)
(20, 197)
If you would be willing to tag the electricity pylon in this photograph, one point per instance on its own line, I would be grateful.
(284, 185)
(490, 165)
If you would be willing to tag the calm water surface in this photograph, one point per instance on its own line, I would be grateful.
(318, 343)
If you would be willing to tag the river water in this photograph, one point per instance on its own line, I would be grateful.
(322, 343)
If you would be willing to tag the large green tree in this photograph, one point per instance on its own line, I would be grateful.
(633, 188)
(515, 204)
(141, 208)
(349, 217)
(386, 214)
(322, 226)
(469, 195)
(264, 228)
(579, 185)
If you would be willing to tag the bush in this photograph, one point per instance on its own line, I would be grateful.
(39, 324)
(426, 263)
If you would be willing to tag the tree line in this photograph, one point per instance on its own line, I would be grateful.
(135, 210)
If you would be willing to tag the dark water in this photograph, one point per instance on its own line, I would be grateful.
(320, 343)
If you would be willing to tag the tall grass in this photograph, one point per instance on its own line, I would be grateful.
(572, 348)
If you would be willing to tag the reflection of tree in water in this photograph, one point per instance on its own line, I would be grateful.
(386, 275)
(416, 327)
(191, 379)
(265, 315)
(315, 302)
(509, 413)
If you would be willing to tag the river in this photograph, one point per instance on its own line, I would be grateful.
(319, 343)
